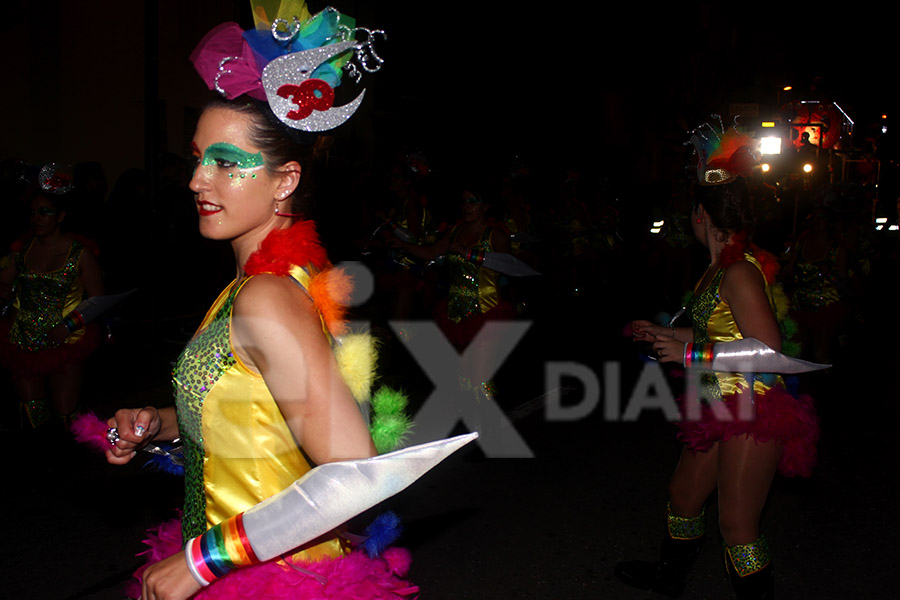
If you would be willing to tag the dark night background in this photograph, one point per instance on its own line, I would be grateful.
(607, 91)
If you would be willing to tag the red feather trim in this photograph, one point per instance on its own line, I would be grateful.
(85, 241)
(738, 246)
(284, 248)
(88, 243)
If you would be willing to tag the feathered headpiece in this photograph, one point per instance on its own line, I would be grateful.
(292, 61)
(723, 155)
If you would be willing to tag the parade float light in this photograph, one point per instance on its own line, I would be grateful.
(881, 220)
(770, 145)
(894, 228)
(657, 226)
(765, 167)
(807, 168)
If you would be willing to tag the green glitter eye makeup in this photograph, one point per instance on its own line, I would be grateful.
(227, 155)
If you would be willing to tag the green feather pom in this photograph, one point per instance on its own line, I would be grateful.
(390, 424)
(790, 348)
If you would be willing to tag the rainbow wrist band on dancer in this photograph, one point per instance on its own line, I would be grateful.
(73, 321)
(696, 355)
(475, 255)
(220, 550)
(315, 504)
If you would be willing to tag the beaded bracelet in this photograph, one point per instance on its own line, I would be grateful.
(73, 321)
(220, 550)
(697, 354)
(475, 255)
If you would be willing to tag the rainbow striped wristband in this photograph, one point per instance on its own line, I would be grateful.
(73, 321)
(696, 355)
(221, 549)
(475, 255)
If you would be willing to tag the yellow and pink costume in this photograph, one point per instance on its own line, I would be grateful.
(239, 451)
(776, 414)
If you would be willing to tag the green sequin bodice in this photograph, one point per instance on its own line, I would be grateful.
(203, 361)
(465, 294)
(42, 299)
(700, 309)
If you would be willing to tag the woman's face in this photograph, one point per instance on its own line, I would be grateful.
(473, 208)
(234, 192)
(45, 217)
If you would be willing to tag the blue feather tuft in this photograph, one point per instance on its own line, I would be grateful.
(383, 532)
(167, 458)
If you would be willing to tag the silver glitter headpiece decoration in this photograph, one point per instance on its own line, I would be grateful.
(56, 178)
(302, 102)
(296, 69)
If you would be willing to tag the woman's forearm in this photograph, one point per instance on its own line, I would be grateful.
(683, 334)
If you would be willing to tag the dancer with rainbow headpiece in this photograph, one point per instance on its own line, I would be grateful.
(740, 425)
(272, 383)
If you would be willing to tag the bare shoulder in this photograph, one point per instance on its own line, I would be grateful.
(743, 275)
(500, 239)
(273, 319)
(87, 259)
(274, 297)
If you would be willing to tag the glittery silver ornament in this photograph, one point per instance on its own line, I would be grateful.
(296, 68)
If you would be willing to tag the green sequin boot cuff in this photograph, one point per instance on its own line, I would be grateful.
(685, 528)
(747, 559)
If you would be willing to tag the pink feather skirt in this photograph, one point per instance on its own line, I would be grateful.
(776, 415)
(352, 577)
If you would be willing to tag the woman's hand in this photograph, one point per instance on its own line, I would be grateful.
(645, 331)
(136, 427)
(668, 349)
(169, 579)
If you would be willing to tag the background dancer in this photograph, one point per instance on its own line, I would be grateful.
(49, 273)
(724, 449)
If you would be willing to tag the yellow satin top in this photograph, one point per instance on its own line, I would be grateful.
(245, 451)
(713, 322)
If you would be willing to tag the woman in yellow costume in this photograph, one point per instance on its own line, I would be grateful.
(264, 390)
(737, 433)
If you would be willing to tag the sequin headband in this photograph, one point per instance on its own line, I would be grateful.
(293, 65)
(723, 155)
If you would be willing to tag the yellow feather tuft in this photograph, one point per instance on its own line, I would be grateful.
(356, 357)
(782, 304)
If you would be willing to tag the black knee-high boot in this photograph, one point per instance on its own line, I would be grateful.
(680, 548)
(750, 568)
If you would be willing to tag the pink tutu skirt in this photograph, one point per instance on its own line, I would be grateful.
(775, 415)
(24, 363)
(352, 577)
